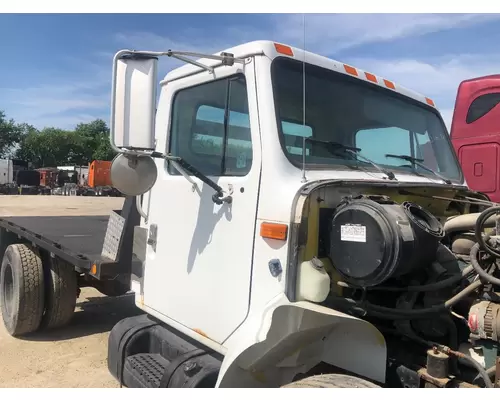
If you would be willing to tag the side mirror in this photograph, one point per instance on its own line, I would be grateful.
(133, 101)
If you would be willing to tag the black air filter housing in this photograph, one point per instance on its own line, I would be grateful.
(374, 239)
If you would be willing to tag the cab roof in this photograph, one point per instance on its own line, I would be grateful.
(273, 49)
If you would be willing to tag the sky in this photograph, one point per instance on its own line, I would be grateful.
(55, 70)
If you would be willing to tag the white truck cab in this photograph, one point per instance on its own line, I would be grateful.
(289, 204)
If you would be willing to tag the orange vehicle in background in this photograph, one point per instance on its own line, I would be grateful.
(48, 177)
(99, 174)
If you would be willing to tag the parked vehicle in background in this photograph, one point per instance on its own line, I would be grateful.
(99, 178)
(6, 172)
(475, 133)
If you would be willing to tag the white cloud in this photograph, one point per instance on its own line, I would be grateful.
(330, 33)
(62, 105)
(83, 93)
(436, 78)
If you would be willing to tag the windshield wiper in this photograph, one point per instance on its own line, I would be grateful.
(332, 146)
(419, 162)
(217, 198)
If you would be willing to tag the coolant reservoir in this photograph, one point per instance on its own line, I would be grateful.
(313, 283)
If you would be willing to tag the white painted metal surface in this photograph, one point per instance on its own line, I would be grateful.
(132, 121)
(200, 273)
(208, 274)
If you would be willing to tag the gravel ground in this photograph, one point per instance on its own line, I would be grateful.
(74, 356)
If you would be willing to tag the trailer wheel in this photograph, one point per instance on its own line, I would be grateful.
(22, 289)
(331, 381)
(61, 293)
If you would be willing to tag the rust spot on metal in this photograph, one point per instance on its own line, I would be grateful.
(436, 382)
(200, 332)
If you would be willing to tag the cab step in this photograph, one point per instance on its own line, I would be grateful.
(144, 370)
(143, 353)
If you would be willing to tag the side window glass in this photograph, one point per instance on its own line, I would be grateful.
(482, 106)
(211, 128)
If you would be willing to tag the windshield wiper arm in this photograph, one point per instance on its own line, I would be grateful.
(419, 162)
(389, 174)
(331, 146)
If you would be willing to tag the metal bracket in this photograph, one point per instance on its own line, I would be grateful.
(152, 237)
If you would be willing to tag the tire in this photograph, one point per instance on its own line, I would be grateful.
(61, 292)
(111, 288)
(331, 381)
(21, 289)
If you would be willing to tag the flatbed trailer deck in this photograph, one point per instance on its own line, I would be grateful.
(76, 238)
(63, 254)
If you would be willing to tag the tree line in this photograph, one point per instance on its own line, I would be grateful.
(50, 147)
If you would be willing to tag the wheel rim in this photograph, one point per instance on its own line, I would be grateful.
(8, 289)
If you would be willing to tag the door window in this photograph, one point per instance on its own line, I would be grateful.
(211, 128)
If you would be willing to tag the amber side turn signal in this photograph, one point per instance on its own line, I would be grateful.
(272, 230)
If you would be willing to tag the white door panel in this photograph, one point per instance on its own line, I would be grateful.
(200, 273)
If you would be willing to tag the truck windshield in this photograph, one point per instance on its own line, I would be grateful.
(346, 110)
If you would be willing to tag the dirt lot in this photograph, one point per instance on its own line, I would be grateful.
(74, 356)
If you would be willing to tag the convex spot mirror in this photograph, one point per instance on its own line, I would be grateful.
(133, 175)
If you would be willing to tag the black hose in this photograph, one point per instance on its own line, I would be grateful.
(445, 349)
(491, 371)
(453, 339)
(481, 371)
(395, 314)
(483, 240)
(428, 287)
(424, 312)
(477, 267)
(463, 293)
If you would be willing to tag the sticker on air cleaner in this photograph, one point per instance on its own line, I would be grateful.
(353, 233)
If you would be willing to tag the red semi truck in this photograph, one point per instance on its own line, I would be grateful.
(475, 133)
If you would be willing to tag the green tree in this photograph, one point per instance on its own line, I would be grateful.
(52, 146)
(95, 135)
(10, 134)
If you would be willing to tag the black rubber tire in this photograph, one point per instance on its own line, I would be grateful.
(22, 289)
(61, 292)
(331, 381)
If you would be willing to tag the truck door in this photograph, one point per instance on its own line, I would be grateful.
(199, 272)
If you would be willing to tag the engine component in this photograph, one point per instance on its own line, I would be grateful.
(373, 239)
(465, 222)
(437, 363)
(461, 244)
(484, 322)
